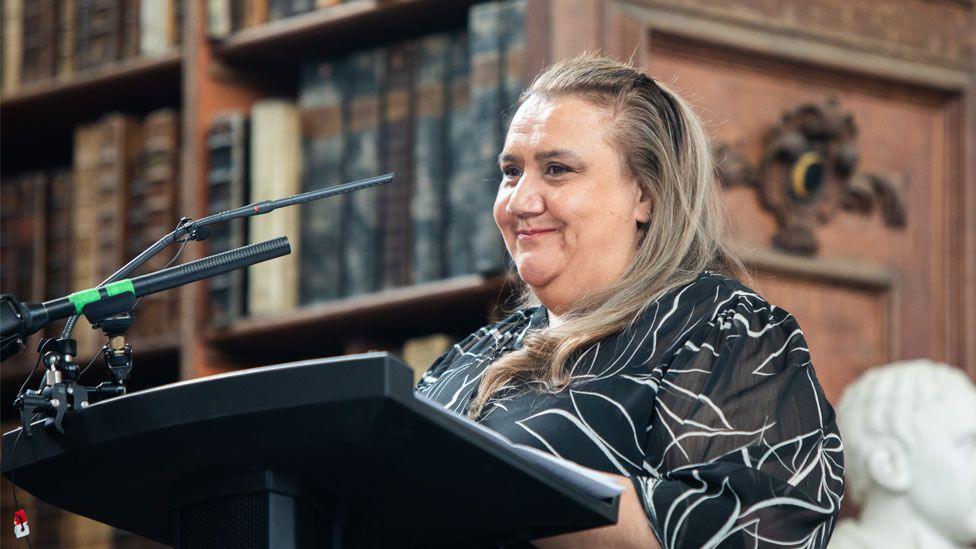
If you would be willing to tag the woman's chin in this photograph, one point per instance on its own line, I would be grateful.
(535, 274)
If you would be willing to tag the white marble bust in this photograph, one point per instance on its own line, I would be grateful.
(909, 432)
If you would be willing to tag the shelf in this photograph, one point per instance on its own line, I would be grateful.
(48, 111)
(333, 29)
(459, 303)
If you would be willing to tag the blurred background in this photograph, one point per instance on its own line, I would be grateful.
(845, 131)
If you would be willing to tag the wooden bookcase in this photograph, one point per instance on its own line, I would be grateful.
(205, 77)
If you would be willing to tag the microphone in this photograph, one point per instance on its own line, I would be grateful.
(23, 319)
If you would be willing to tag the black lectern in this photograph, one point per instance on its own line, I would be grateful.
(322, 453)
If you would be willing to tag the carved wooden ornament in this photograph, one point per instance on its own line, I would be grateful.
(808, 172)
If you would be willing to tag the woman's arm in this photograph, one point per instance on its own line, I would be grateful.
(631, 530)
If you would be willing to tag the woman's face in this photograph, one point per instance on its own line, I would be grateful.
(566, 208)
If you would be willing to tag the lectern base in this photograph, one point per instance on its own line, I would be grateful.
(260, 510)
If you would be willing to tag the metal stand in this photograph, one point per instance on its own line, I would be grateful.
(60, 390)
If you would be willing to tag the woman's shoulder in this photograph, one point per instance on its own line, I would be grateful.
(711, 292)
(713, 305)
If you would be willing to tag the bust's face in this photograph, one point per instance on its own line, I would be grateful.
(943, 466)
(566, 209)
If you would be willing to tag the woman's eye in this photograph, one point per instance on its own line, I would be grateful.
(556, 169)
(510, 171)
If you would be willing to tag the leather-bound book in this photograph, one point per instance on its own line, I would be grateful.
(39, 40)
(99, 29)
(361, 160)
(485, 26)
(397, 156)
(320, 103)
(153, 198)
(430, 159)
(275, 172)
(227, 169)
(461, 155)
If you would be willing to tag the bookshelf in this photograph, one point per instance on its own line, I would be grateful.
(203, 77)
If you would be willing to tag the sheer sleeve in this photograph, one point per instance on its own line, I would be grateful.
(742, 449)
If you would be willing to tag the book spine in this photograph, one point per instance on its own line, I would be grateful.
(176, 11)
(156, 20)
(322, 151)
(129, 45)
(100, 31)
(227, 189)
(67, 33)
(58, 219)
(152, 214)
(361, 119)
(13, 25)
(84, 225)
(513, 43)
(121, 143)
(22, 243)
(430, 159)
(220, 19)
(38, 40)
(276, 169)
(487, 69)
(458, 252)
(398, 107)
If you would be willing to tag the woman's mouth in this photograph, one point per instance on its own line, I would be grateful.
(534, 233)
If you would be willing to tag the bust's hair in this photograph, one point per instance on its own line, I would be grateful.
(664, 148)
(884, 404)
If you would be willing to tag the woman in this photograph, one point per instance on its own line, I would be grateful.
(630, 353)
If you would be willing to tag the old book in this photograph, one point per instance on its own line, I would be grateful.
(280, 9)
(130, 39)
(461, 155)
(320, 102)
(485, 25)
(39, 36)
(430, 162)
(85, 230)
(57, 233)
(99, 28)
(177, 14)
(67, 38)
(397, 156)
(227, 146)
(153, 196)
(361, 160)
(421, 352)
(22, 214)
(219, 18)
(275, 172)
(156, 26)
(246, 14)
(120, 146)
(513, 42)
(13, 25)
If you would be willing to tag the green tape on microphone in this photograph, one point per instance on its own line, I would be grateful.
(91, 295)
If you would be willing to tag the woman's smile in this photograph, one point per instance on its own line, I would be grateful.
(533, 234)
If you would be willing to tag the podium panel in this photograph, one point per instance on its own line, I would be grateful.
(334, 452)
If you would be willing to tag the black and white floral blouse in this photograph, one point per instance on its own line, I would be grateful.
(708, 403)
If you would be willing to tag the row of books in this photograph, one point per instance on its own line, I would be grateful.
(68, 229)
(432, 109)
(227, 16)
(45, 40)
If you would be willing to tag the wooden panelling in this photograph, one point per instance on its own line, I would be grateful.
(742, 81)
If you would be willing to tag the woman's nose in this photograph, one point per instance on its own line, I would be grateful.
(525, 198)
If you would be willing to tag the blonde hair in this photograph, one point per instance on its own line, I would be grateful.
(665, 149)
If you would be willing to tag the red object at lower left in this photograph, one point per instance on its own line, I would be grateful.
(20, 524)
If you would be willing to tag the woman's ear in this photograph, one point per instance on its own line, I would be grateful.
(642, 211)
